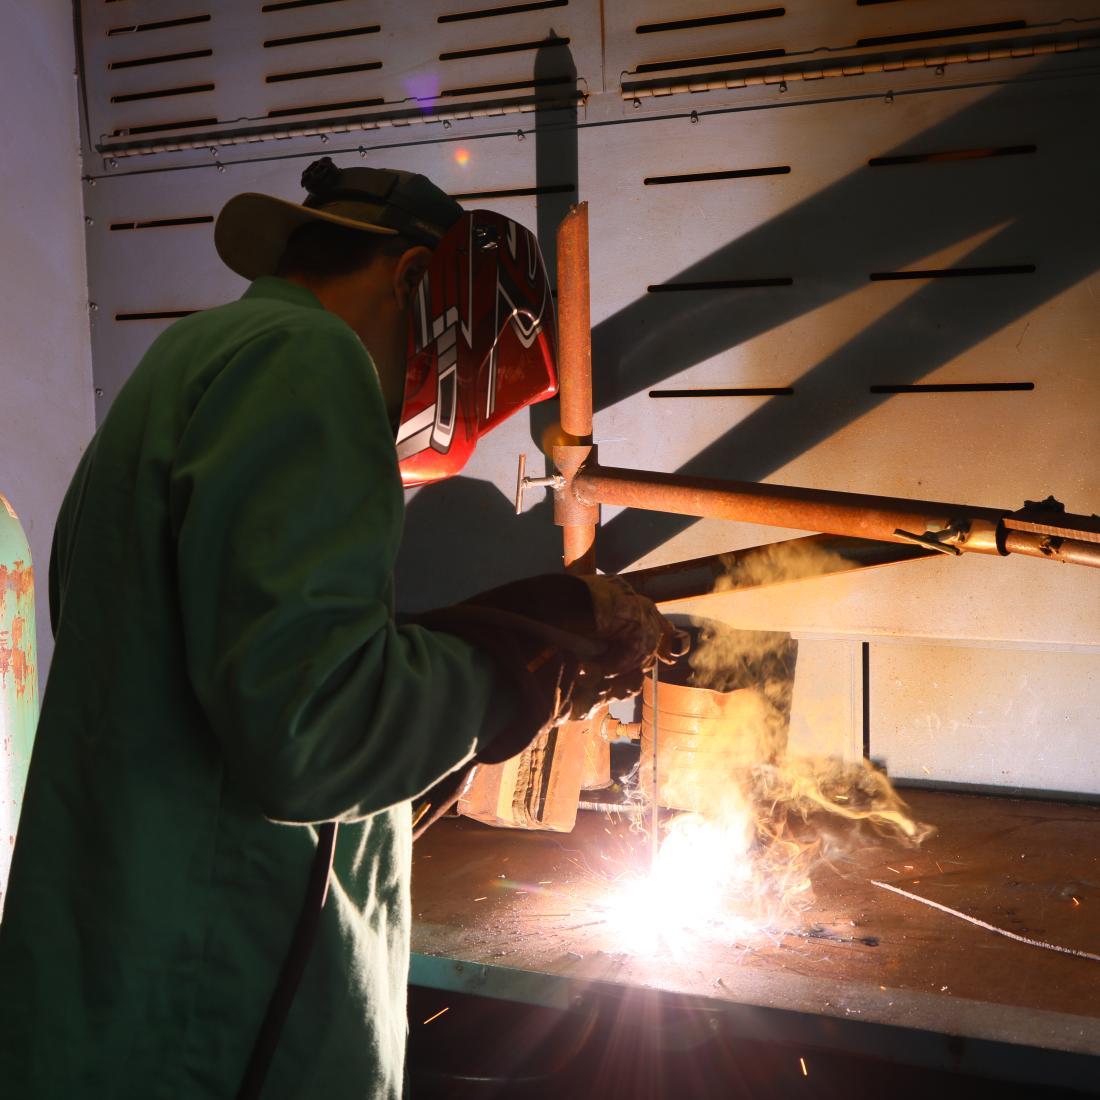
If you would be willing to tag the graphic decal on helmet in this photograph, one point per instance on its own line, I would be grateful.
(481, 344)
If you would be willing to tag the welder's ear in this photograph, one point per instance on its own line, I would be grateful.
(409, 271)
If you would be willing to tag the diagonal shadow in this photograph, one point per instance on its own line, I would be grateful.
(658, 336)
(655, 337)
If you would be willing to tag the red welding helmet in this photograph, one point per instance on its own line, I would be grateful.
(480, 344)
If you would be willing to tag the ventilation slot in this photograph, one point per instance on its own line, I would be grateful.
(510, 9)
(719, 284)
(957, 387)
(160, 25)
(953, 154)
(162, 93)
(515, 47)
(156, 128)
(516, 192)
(710, 21)
(321, 36)
(946, 32)
(318, 108)
(159, 315)
(161, 223)
(513, 86)
(162, 59)
(703, 177)
(286, 5)
(309, 74)
(702, 62)
(953, 272)
(747, 391)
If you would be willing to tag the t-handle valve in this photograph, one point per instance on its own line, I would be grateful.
(552, 481)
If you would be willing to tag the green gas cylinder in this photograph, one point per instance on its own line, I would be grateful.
(18, 678)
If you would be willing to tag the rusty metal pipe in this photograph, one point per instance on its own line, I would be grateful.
(575, 326)
(575, 382)
(1066, 551)
(824, 510)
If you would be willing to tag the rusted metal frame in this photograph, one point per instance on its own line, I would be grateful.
(1038, 530)
(772, 563)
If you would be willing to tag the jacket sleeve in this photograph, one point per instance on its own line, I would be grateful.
(287, 510)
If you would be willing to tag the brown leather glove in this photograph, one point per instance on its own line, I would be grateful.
(565, 644)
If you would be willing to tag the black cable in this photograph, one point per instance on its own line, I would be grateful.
(294, 964)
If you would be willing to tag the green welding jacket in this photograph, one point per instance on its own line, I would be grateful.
(227, 674)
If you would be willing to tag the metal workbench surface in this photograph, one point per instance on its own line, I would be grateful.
(521, 916)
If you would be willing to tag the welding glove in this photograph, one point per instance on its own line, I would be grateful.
(565, 644)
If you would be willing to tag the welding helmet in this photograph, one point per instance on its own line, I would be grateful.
(480, 344)
(481, 330)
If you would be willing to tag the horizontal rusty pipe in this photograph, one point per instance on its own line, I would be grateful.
(824, 510)
(883, 519)
(1066, 551)
(775, 563)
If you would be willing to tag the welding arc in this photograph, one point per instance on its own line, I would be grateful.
(988, 927)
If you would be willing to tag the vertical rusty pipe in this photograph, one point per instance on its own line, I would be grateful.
(578, 521)
(575, 326)
(575, 372)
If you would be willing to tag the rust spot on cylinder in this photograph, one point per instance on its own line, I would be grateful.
(17, 583)
(17, 579)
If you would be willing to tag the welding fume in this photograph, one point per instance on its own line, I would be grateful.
(209, 893)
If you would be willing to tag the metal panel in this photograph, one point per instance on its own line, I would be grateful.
(985, 168)
(1024, 728)
(273, 62)
(651, 44)
(166, 269)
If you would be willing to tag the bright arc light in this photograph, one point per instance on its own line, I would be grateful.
(700, 867)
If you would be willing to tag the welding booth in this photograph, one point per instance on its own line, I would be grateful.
(826, 279)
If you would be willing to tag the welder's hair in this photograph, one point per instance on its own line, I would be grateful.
(322, 250)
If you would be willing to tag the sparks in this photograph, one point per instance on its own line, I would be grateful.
(802, 1063)
(437, 1015)
(699, 866)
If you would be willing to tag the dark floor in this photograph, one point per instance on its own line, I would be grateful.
(657, 1049)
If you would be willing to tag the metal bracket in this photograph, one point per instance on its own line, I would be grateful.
(523, 483)
(941, 541)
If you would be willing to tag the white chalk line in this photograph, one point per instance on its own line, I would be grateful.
(988, 927)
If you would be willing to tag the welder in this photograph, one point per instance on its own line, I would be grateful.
(229, 683)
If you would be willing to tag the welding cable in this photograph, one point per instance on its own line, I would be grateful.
(294, 964)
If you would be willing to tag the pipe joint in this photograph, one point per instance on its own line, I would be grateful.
(569, 508)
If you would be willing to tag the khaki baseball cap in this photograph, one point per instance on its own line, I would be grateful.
(252, 230)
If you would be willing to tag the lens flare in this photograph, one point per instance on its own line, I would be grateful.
(702, 870)
(462, 156)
